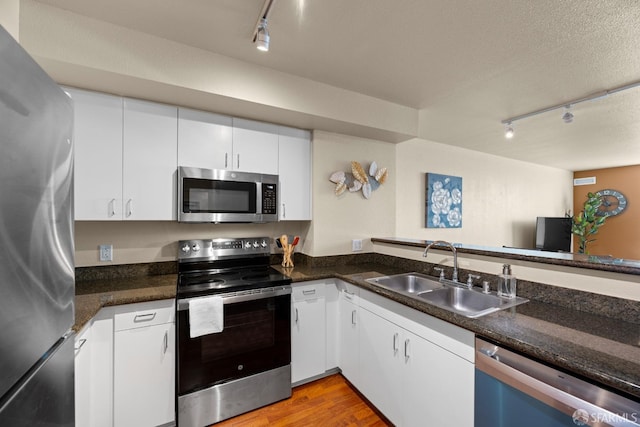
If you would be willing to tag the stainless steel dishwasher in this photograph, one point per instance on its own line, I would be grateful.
(513, 390)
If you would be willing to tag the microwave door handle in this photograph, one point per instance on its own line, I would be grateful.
(238, 164)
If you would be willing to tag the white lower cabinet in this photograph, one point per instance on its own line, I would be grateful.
(308, 337)
(416, 369)
(82, 378)
(144, 364)
(348, 328)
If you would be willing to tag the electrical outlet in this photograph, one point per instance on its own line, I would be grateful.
(106, 252)
(356, 245)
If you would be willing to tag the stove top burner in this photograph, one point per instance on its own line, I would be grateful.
(225, 265)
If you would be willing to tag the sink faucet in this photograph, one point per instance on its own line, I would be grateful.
(455, 256)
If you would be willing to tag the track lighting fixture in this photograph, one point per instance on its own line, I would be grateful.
(262, 36)
(568, 116)
(260, 33)
(508, 130)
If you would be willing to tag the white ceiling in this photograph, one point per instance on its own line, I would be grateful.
(465, 64)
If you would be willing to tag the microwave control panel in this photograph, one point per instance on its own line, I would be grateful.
(269, 198)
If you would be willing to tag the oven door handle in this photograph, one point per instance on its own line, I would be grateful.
(242, 296)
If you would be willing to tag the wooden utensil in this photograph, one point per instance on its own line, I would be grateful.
(287, 250)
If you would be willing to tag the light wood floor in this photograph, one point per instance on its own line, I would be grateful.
(326, 402)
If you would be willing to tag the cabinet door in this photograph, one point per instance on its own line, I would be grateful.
(98, 155)
(348, 349)
(332, 314)
(307, 339)
(149, 161)
(102, 369)
(255, 147)
(294, 169)
(204, 139)
(437, 385)
(381, 350)
(144, 376)
(82, 378)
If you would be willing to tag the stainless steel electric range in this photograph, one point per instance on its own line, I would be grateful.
(233, 328)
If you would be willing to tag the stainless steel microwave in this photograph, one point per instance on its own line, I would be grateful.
(220, 195)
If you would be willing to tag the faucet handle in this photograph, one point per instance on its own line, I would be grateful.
(441, 270)
(470, 280)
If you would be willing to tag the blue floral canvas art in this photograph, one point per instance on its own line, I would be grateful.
(444, 201)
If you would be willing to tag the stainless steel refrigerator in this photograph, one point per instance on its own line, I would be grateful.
(36, 244)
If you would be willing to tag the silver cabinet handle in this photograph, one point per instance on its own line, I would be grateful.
(309, 292)
(395, 343)
(226, 160)
(144, 317)
(129, 207)
(112, 207)
(80, 343)
(284, 211)
(353, 317)
(238, 164)
(348, 295)
(166, 342)
(406, 349)
(297, 316)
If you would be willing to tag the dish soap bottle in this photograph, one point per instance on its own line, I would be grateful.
(507, 285)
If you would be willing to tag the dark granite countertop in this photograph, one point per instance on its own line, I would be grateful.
(598, 348)
(592, 262)
(92, 295)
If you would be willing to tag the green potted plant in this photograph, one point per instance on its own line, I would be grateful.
(586, 223)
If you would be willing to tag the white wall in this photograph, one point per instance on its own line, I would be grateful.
(501, 197)
(156, 241)
(338, 220)
(10, 17)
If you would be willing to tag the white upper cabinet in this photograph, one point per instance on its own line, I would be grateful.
(149, 160)
(204, 139)
(295, 174)
(255, 147)
(98, 155)
(125, 158)
(127, 152)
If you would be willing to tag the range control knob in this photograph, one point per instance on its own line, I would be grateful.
(263, 244)
(256, 244)
(247, 245)
(195, 247)
(185, 249)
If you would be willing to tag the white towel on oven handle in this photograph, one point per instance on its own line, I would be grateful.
(206, 316)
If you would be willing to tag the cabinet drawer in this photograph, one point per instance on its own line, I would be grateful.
(305, 292)
(144, 314)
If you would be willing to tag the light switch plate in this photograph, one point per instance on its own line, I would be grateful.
(356, 245)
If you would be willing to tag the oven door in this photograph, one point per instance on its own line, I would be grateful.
(256, 337)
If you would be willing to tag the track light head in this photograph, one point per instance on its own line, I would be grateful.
(508, 130)
(262, 36)
(567, 117)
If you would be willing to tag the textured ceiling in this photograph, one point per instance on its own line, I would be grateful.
(466, 64)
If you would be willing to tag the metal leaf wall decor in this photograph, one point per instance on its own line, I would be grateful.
(359, 179)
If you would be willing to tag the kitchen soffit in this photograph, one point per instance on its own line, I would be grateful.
(466, 65)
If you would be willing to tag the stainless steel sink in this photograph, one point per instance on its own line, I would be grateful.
(407, 283)
(451, 296)
(469, 302)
